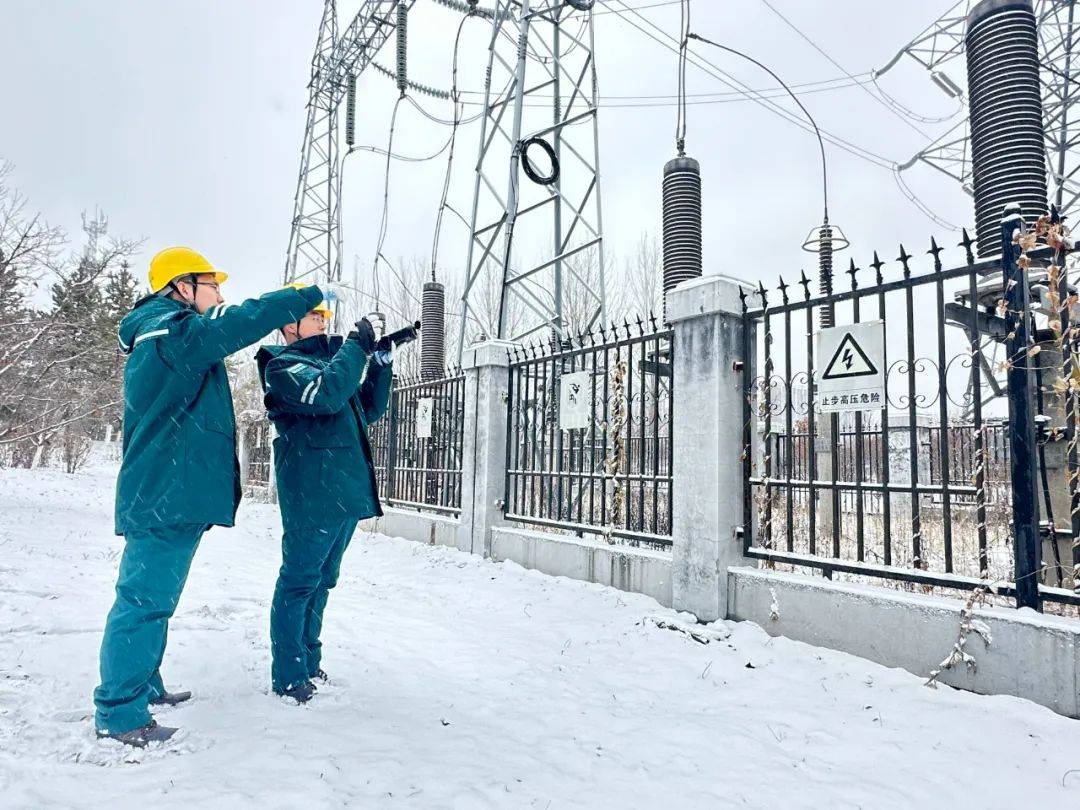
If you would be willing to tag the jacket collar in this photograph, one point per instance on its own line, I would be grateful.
(319, 345)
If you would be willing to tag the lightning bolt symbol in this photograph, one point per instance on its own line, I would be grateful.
(847, 358)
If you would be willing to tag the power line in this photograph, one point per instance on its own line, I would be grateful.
(458, 108)
(715, 96)
(386, 200)
(378, 150)
(443, 121)
(840, 67)
(672, 102)
(810, 118)
(641, 8)
(684, 43)
(725, 78)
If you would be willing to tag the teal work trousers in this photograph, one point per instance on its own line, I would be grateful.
(311, 561)
(153, 571)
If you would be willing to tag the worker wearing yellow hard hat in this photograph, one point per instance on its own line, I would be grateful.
(175, 263)
(322, 391)
(179, 474)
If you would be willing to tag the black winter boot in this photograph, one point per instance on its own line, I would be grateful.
(301, 693)
(170, 698)
(141, 737)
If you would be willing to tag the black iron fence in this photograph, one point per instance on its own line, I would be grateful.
(417, 444)
(891, 493)
(589, 434)
(257, 438)
(961, 465)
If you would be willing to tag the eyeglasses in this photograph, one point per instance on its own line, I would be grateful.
(213, 284)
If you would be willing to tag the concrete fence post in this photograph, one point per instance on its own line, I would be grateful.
(483, 463)
(707, 436)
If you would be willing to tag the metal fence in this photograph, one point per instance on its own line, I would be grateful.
(792, 460)
(258, 436)
(417, 444)
(589, 434)
(891, 493)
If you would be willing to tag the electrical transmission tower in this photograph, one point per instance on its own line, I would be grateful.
(539, 243)
(314, 252)
(1058, 31)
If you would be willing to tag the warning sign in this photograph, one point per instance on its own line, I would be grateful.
(575, 400)
(849, 360)
(424, 408)
(852, 376)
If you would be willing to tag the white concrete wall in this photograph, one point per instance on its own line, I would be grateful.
(622, 567)
(1032, 656)
(422, 527)
(628, 569)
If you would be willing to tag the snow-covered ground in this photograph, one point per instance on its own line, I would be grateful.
(459, 683)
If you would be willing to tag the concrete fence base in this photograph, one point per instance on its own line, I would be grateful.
(421, 527)
(1031, 656)
(628, 569)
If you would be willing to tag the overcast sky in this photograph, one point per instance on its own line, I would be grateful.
(183, 122)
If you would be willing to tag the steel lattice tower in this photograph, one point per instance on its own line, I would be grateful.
(540, 85)
(314, 252)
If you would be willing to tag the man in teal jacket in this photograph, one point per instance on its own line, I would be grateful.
(179, 474)
(321, 401)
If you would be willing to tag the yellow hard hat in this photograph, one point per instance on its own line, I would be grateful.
(322, 308)
(174, 262)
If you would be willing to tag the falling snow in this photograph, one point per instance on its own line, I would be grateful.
(459, 683)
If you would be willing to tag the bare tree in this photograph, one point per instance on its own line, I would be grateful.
(60, 367)
(642, 280)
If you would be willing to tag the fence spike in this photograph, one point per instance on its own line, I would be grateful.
(783, 290)
(935, 251)
(852, 271)
(966, 244)
(877, 264)
(640, 326)
(762, 295)
(805, 282)
(903, 259)
(652, 315)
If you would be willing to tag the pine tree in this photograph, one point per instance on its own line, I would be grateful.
(120, 292)
(77, 300)
(12, 295)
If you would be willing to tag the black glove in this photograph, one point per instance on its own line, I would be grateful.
(364, 334)
(400, 337)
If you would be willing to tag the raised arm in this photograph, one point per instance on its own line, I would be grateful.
(303, 388)
(196, 342)
(376, 388)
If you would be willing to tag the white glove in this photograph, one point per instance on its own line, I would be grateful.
(334, 293)
(378, 323)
